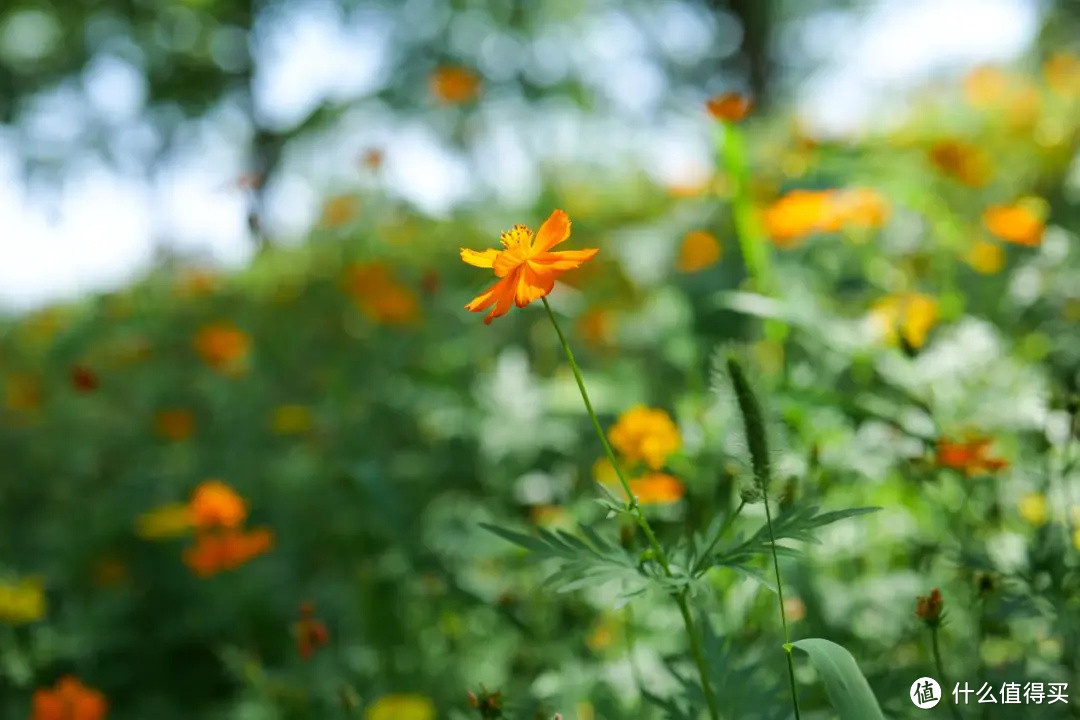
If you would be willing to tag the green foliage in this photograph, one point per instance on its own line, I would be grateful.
(849, 692)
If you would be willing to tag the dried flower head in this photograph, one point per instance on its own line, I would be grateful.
(928, 608)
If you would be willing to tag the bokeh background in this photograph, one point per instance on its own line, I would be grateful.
(232, 299)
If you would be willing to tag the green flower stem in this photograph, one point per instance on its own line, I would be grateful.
(700, 564)
(759, 459)
(941, 671)
(634, 509)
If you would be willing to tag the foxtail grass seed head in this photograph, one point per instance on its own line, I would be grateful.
(752, 421)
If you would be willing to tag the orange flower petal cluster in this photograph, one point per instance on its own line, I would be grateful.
(215, 504)
(970, 456)
(1014, 223)
(226, 549)
(657, 489)
(801, 213)
(380, 296)
(985, 86)
(223, 346)
(1062, 72)
(729, 107)
(339, 210)
(22, 392)
(454, 85)
(928, 607)
(644, 434)
(699, 250)
(526, 265)
(906, 316)
(69, 699)
(961, 160)
(175, 424)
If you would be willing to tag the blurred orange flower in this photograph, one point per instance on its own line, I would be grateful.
(372, 158)
(215, 504)
(526, 265)
(226, 549)
(382, 298)
(1062, 72)
(970, 456)
(401, 707)
(84, 379)
(858, 207)
(194, 283)
(453, 84)
(657, 489)
(597, 327)
(961, 160)
(69, 699)
(310, 632)
(1014, 223)
(644, 434)
(729, 107)
(906, 316)
(699, 250)
(175, 424)
(22, 600)
(223, 346)
(167, 521)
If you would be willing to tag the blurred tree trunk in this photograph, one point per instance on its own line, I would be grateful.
(756, 18)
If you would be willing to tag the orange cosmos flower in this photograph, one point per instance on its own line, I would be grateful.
(699, 250)
(985, 86)
(175, 424)
(69, 699)
(84, 379)
(454, 85)
(986, 257)
(222, 346)
(908, 316)
(372, 158)
(380, 296)
(729, 107)
(227, 549)
(526, 265)
(643, 434)
(928, 607)
(1014, 223)
(857, 208)
(657, 489)
(215, 504)
(970, 456)
(311, 633)
(339, 210)
(962, 161)
(796, 215)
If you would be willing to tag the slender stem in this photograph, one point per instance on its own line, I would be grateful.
(941, 671)
(783, 612)
(642, 521)
(698, 566)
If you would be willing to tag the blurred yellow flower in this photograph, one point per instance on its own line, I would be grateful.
(597, 327)
(22, 601)
(963, 161)
(858, 207)
(381, 297)
(339, 210)
(168, 521)
(454, 85)
(602, 634)
(194, 282)
(175, 424)
(985, 86)
(291, 420)
(1023, 106)
(548, 515)
(22, 392)
(1062, 72)
(907, 316)
(643, 434)
(699, 250)
(986, 257)
(729, 107)
(223, 346)
(1076, 539)
(401, 707)
(1033, 508)
(800, 213)
(215, 504)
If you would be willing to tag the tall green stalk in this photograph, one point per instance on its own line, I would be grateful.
(759, 459)
(635, 510)
(941, 671)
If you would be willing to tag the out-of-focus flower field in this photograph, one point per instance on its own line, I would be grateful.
(267, 494)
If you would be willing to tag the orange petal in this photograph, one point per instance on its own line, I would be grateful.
(482, 259)
(504, 296)
(484, 299)
(564, 259)
(532, 285)
(554, 230)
